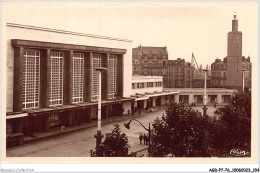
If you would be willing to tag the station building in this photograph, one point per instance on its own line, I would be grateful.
(220, 96)
(148, 92)
(51, 79)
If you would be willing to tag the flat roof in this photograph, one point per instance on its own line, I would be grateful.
(65, 32)
(136, 77)
(200, 89)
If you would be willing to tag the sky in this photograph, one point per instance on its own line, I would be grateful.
(183, 27)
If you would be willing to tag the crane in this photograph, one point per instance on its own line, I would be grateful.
(193, 59)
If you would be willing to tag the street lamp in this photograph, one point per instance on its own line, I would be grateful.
(127, 125)
(205, 93)
(243, 76)
(99, 136)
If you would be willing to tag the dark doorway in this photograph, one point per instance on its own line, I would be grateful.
(117, 109)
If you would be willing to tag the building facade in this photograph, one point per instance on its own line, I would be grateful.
(52, 81)
(150, 61)
(235, 62)
(148, 92)
(220, 96)
(228, 72)
(219, 73)
(179, 74)
(153, 61)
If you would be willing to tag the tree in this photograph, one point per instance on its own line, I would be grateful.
(232, 128)
(182, 132)
(115, 144)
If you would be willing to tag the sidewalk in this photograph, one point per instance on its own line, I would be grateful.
(57, 131)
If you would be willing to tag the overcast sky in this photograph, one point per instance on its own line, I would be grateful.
(198, 27)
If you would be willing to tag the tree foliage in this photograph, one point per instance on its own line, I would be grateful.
(182, 132)
(115, 144)
(232, 128)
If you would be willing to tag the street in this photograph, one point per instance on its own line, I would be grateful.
(79, 144)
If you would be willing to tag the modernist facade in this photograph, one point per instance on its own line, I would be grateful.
(148, 92)
(51, 78)
(220, 96)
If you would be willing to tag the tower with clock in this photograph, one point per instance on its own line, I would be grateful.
(234, 56)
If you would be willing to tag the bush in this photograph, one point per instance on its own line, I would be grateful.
(114, 145)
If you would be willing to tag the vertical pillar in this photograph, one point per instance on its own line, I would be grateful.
(104, 74)
(120, 71)
(145, 103)
(18, 79)
(205, 96)
(107, 76)
(208, 98)
(45, 78)
(191, 100)
(68, 75)
(87, 77)
(177, 98)
(219, 98)
(99, 136)
(154, 101)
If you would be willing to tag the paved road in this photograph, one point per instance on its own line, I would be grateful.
(78, 144)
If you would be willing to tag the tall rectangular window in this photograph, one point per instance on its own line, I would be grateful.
(77, 80)
(31, 78)
(112, 65)
(96, 62)
(56, 78)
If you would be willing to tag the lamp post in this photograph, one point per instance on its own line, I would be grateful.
(205, 93)
(99, 136)
(243, 79)
(127, 125)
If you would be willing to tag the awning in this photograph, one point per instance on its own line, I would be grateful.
(142, 98)
(164, 94)
(77, 106)
(17, 116)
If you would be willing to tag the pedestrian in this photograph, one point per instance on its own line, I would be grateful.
(145, 139)
(141, 138)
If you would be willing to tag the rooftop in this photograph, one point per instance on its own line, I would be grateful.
(138, 77)
(65, 32)
(150, 51)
